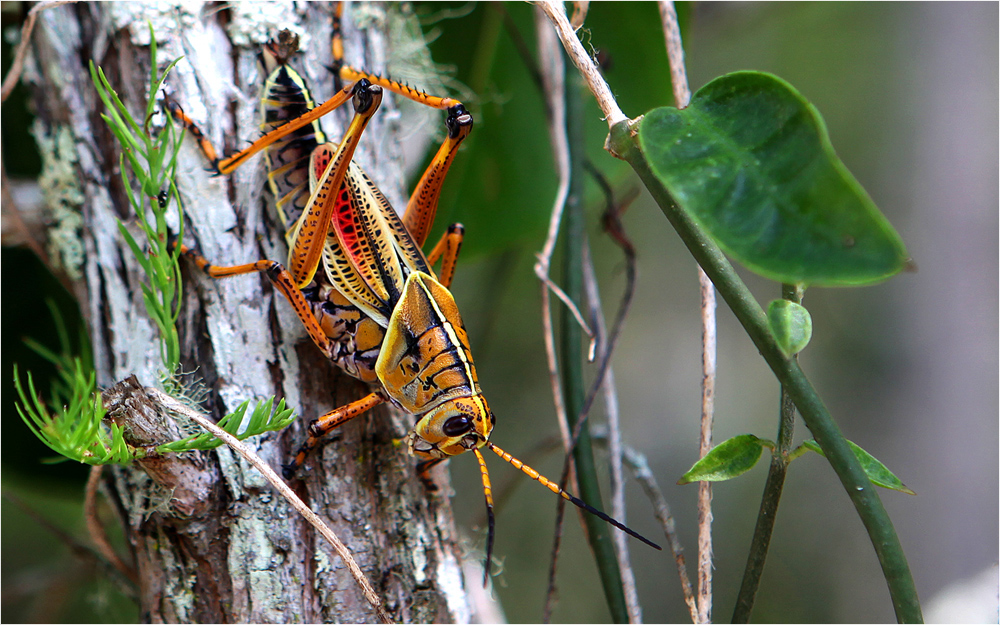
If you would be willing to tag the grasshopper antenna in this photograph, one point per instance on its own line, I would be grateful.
(488, 491)
(544, 481)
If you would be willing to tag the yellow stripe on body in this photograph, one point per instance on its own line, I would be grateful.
(424, 307)
(449, 329)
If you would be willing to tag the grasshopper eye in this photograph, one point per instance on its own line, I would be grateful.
(456, 426)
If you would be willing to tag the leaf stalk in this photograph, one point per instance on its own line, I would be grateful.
(768, 512)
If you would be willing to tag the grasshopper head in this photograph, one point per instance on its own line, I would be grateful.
(453, 428)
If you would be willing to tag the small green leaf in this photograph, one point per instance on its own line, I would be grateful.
(140, 256)
(790, 324)
(726, 460)
(877, 472)
(153, 84)
(262, 419)
(751, 161)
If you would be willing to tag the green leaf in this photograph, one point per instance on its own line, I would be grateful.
(751, 161)
(160, 264)
(140, 256)
(74, 431)
(120, 121)
(790, 324)
(262, 419)
(153, 84)
(726, 460)
(877, 472)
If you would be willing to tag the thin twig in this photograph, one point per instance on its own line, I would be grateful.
(772, 494)
(613, 226)
(604, 364)
(708, 347)
(550, 588)
(605, 99)
(603, 368)
(614, 435)
(553, 71)
(640, 468)
(14, 74)
(639, 465)
(80, 550)
(542, 271)
(582, 417)
(675, 54)
(552, 74)
(96, 529)
(682, 96)
(553, 364)
(554, 91)
(286, 492)
(545, 257)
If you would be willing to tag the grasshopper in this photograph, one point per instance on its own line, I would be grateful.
(377, 308)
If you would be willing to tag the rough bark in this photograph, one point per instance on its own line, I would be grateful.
(228, 549)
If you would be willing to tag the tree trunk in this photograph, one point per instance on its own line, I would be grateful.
(224, 547)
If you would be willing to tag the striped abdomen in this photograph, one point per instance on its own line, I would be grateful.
(286, 97)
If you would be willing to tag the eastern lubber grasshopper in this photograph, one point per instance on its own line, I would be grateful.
(377, 309)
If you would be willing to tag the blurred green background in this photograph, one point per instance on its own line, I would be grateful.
(908, 368)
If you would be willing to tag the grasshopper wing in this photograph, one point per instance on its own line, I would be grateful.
(369, 253)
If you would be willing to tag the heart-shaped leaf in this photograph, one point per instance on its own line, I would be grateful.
(751, 161)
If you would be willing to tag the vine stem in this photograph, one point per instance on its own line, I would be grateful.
(553, 76)
(614, 115)
(622, 143)
(554, 82)
(566, 127)
(772, 493)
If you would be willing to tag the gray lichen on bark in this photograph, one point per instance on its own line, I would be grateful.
(236, 552)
